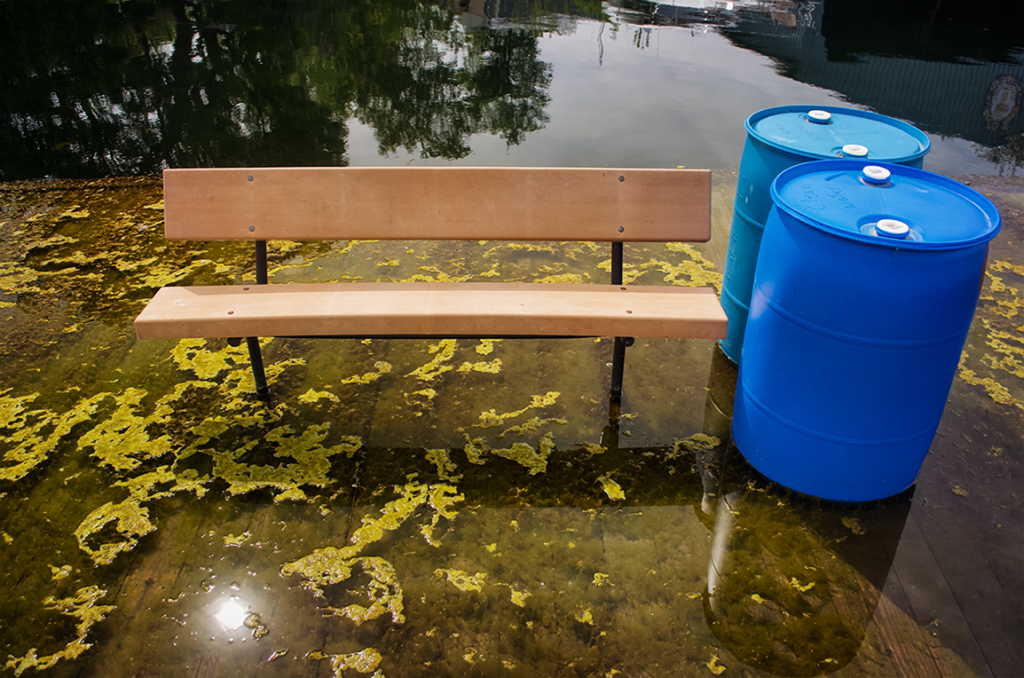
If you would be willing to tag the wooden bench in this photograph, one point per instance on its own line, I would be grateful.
(404, 203)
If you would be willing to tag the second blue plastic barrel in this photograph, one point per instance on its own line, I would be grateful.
(778, 138)
(865, 289)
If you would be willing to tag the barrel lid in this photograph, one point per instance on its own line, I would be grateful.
(831, 132)
(886, 204)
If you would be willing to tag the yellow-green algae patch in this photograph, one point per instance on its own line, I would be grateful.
(585, 616)
(169, 273)
(62, 572)
(445, 466)
(352, 244)
(486, 346)
(463, 581)
(854, 525)
(130, 517)
(310, 461)
(328, 566)
(531, 426)
(36, 433)
(697, 271)
(421, 399)
(696, 442)
(82, 607)
(121, 440)
(517, 247)
(363, 661)
(563, 278)
(803, 588)
(312, 396)
(714, 666)
(491, 419)
(519, 597)
(441, 276)
(74, 212)
(384, 593)
(612, 488)
(441, 498)
(236, 540)
(192, 355)
(332, 565)
(492, 367)
(999, 306)
(259, 629)
(381, 368)
(536, 461)
(445, 350)
(17, 280)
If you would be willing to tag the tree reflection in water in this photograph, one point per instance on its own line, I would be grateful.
(216, 83)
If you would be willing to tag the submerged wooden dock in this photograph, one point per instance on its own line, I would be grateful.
(495, 519)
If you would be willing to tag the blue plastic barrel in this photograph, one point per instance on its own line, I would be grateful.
(778, 138)
(865, 288)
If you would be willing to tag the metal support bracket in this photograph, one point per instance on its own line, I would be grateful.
(253, 343)
(256, 361)
(620, 344)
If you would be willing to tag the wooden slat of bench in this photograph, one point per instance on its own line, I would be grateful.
(430, 203)
(435, 309)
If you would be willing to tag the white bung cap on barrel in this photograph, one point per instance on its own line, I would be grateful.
(893, 228)
(873, 174)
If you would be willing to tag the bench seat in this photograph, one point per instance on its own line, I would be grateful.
(488, 309)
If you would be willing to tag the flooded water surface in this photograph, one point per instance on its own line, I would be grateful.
(465, 507)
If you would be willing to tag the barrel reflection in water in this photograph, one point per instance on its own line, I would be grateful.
(721, 390)
(793, 582)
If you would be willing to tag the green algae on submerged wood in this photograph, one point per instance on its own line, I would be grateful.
(999, 324)
(462, 580)
(215, 415)
(332, 565)
(130, 517)
(364, 661)
(33, 443)
(82, 606)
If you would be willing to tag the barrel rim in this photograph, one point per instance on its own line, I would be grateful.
(983, 204)
(923, 141)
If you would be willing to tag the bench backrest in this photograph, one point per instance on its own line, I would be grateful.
(438, 203)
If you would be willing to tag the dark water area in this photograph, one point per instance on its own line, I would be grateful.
(465, 507)
(121, 89)
(116, 89)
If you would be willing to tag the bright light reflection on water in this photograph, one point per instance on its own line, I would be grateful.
(231, 615)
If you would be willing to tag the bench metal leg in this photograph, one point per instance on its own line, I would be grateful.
(619, 362)
(619, 348)
(256, 360)
(255, 356)
(610, 433)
